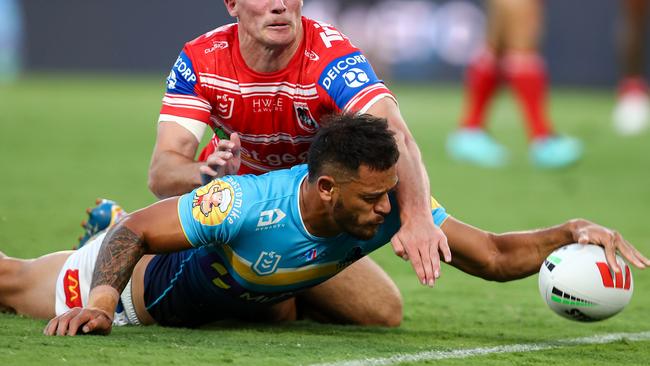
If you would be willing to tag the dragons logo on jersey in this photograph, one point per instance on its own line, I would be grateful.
(305, 118)
(213, 202)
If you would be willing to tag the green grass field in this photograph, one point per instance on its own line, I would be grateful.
(66, 140)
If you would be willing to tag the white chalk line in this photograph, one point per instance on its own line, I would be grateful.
(510, 348)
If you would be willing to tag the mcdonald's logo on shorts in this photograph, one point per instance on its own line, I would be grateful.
(71, 288)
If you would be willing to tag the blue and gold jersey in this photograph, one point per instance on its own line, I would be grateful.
(251, 248)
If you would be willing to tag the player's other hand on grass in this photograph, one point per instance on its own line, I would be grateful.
(585, 232)
(80, 321)
(225, 160)
(420, 241)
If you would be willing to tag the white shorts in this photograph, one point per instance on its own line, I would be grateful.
(73, 283)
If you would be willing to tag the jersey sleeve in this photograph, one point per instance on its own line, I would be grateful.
(183, 102)
(351, 83)
(208, 214)
(438, 212)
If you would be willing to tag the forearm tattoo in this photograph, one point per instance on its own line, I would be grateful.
(120, 252)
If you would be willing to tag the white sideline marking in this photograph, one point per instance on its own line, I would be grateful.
(509, 348)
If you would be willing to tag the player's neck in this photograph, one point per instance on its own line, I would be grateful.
(265, 59)
(314, 213)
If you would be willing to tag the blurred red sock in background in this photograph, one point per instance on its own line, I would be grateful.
(481, 82)
(632, 85)
(527, 75)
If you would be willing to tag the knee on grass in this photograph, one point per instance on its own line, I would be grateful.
(389, 314)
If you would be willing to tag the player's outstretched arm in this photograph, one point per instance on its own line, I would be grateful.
(155, 229)
(509, 256)
(418, 239)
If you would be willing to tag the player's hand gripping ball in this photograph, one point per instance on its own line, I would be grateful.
(576, 283)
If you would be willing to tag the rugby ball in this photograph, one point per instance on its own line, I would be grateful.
(576, 283)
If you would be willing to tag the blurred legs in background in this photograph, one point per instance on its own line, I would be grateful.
(10, 41)
(632, 108)
(511, 56)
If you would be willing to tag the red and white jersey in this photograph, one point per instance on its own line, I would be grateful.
(276, 114)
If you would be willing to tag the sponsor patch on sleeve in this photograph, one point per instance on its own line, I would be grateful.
(211, 214)
(182, 78)
(346, 76)
(213, 202)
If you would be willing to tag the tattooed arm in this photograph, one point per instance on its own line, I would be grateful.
(155, 229)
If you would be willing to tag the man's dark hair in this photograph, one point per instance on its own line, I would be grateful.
(347, 141)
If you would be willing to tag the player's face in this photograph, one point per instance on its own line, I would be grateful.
(272, 23)
(362, 203)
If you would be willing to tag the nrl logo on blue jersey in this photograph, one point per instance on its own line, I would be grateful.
(267, 263)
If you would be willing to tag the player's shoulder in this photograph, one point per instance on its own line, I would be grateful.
(273, 185)
(325, 42)
(218, 39)
(268, 198)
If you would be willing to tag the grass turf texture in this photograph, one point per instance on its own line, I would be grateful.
(66, 140)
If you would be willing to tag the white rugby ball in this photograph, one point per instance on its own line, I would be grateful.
(576, 283)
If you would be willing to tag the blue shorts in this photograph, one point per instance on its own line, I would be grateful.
(192, 288)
